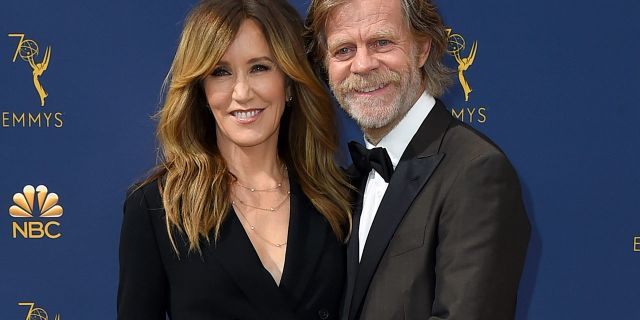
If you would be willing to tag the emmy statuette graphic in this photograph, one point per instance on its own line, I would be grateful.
(27, 50)
(455, 44)
(36, 313)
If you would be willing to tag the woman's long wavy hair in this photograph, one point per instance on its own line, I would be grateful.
(193, 177)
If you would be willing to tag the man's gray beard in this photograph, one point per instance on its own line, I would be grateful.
(409, 91)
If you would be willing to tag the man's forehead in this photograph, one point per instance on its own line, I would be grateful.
(368, 16)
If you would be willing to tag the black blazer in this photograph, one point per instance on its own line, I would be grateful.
(450, 236)
(228, 280)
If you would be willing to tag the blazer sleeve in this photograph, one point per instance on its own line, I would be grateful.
(143, 288)
(482, 242)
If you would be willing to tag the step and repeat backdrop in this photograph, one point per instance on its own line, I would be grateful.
(555, 84)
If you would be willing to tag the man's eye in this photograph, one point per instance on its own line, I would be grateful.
(343, 52)
(382, 43)
(260, 68)
(219, 72)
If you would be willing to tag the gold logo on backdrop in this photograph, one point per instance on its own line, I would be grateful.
(24, 207)
(455, 45)
(28, 50)
(24, 202)
(36, 313)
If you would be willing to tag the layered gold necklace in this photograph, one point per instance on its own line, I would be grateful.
(236, 202)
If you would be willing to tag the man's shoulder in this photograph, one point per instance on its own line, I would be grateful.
(466, 141)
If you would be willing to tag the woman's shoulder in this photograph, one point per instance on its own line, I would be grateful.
(144, 195)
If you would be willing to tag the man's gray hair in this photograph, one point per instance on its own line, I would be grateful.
(423, 20)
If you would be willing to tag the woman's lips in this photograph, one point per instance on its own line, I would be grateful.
(246, 116)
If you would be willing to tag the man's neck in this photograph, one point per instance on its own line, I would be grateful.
(375, 135)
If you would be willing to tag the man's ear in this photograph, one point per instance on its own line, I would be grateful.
(424, 47)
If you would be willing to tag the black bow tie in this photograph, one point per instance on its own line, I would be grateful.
(366, 159)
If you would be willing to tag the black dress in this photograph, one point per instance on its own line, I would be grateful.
(228, 280)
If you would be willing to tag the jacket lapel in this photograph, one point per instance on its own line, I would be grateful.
(353, 249)
(237, 256)
(417, 164)
(306, 240)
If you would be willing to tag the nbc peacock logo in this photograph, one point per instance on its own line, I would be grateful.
(24, 209)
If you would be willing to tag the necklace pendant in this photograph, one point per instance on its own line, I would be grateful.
(278, 245)
(253, 228)
(253, 190)
(272, 209)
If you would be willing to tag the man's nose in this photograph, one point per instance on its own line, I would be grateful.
(364, 61)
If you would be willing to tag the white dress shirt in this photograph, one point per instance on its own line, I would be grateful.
(396, 141)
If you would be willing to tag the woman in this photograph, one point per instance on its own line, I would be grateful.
(242, 220)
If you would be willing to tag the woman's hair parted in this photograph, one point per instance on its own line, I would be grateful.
(193, 177)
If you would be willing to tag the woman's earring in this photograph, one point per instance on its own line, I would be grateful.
(290, 99)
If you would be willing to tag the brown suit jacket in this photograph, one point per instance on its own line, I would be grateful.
(450, 236)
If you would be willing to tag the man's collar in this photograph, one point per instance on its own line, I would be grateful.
(397, 140)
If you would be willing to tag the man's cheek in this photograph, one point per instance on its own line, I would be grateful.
(337, 72)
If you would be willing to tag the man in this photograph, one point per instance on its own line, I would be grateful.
(440, 230)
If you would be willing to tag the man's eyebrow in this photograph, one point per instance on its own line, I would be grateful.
(384, 34)
(378, 34)
(336, 42)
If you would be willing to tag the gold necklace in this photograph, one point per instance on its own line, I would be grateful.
(253, 228)
(252, 189)
(270, 209)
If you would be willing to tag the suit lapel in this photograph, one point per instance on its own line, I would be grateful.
(417, 164)
(353, 249)
(306, 240)
(237, 256)
(407, 180)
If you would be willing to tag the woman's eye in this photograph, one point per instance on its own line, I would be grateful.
(219, 72)
(260, 68)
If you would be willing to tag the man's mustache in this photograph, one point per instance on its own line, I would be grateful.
(358, 82)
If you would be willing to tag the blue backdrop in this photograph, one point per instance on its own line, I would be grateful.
(554, 84)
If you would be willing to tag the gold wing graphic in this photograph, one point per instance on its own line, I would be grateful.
(472, 54)
(45, 61)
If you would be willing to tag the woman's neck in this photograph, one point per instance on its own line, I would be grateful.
(257, 166)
